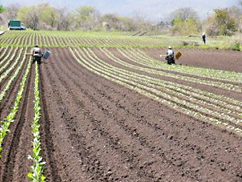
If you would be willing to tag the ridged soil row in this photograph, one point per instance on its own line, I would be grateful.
(51, 169)
(218, 131)
(18, 142)
(99, 140)
(8, 100)
(135, 82)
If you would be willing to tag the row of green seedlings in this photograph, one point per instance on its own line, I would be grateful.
(217, 99)
(111, 56)
(226, 117)
(100, 42)
(227, 86)
(30, 40)
(27, 40)
(75, 42)
(8, 62)
(184, 106)
(19, 39)
(37, 169)
(13, 77)
(222, 75)
(45, 40)
(12, 38)
(16, 39)
(3, 54)
(5, 59)
(187, 93)
(92, 42)
(6, 38)
(5, 123)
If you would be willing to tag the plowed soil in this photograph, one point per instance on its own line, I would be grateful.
(93, 129)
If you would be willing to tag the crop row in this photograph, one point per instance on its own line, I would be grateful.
(37, 169)
(5, 122)
(4, 54)
(181, 88)
(217, 99)
(14, 75)
(48, 39)
(13, 66)
(169, 93)
(187, 70)
(141, 57)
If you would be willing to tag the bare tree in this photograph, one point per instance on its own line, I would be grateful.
(12, 11)
(184, 21)
(30, 16)
(2, 9)
(184, 14)
(65, 20)
(48, 17)
(87, 18)
(141, 22)
(221, 23)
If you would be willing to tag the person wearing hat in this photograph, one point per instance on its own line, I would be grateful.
(170, 56)
(37, 54)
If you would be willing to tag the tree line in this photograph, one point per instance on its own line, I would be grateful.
(183, 21)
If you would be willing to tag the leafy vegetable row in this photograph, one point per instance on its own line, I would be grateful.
(5, 123)
(132, 81)
(37, 169)
(13, 77)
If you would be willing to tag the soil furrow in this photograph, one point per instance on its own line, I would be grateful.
(214, 59)
(7, 102)
(111, 107)
(17, 145)
(142, 139)
(87, 114)
(51, 167)
(180, 102)
(203, 87)
(64, 152)
(94, 129)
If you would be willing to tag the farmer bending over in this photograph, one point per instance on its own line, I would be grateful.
(37, 54)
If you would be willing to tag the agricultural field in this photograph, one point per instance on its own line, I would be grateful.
(108, 108)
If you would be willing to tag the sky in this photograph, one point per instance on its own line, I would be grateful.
(156, 10)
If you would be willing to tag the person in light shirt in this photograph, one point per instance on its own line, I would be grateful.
(170, 56)
(37, 54)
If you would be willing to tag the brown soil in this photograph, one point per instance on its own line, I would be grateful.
(216, 59)
(93, 129)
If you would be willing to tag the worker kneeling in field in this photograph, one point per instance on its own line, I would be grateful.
(37, 54)
(170, 56)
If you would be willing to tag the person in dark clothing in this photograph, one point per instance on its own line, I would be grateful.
(204, 38)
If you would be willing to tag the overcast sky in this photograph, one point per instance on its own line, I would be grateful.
(152, 9)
